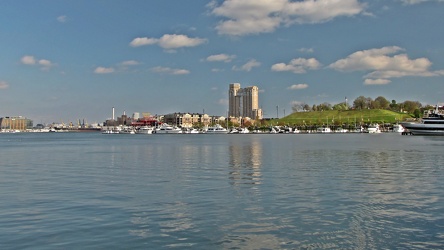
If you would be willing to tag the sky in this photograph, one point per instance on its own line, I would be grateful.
(62, 61)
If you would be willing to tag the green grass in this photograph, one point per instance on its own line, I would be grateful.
(334, 117)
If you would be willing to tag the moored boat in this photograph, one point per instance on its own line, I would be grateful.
(168, 129)
(217, 129)
(146, 130)
(398, 128)
(373, 129)
(432, 123)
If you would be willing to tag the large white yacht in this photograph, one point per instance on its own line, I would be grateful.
(217, 129)
(168, 129)
(146, 130)
(432, 123)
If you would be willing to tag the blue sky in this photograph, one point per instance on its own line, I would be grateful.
(70, 60)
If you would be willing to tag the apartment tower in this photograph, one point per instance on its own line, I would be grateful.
(244, 102)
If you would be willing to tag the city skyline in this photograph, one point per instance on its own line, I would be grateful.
(70, 60)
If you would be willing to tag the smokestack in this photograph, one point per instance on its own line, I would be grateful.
(113, 113)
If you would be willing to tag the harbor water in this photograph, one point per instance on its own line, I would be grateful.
(255, 191)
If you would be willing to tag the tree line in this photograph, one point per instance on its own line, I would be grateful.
(412, 107)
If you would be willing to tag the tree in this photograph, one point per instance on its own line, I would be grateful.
(369, 102)
(324, 106)
(340, 106)
(381, 103)
(360, 102)
(410, 106)
(298, 106)
(394, 106)
(314, 108)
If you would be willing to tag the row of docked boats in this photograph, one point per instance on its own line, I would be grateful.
(218, 129)
(164, 129)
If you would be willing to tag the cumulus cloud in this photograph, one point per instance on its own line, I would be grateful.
(62, 19)
(298, 86)
(31, 60)
(28, 60)
(384, 63)
(168, 41)
(4, 85)
(103, 70)
(245, 17)
(297, 65)
(170, 71)
(248, 66)
(220, 58)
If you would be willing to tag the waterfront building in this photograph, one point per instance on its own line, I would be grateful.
(244, 102)
(187, 120)
(15, 123)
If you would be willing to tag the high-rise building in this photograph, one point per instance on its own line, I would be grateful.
(244, 102)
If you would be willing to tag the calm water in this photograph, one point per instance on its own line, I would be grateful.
(94, 191)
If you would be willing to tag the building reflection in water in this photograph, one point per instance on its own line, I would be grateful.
(245, 162)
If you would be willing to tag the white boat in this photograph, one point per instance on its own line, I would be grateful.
(168, 129)
(244, 131)
(146, 130)
(234, 131)
(398, 128)
(217, 129)
(128, 130)
(323, 130)
(373, 129)
(193, 131)
(432, 123)
(341, 130)
(108, 130)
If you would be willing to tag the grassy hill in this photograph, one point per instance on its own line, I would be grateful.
(334, 117)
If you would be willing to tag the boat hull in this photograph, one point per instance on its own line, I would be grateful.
(424, 129)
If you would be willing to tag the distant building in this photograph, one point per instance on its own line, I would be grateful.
(244, 102)
(187, 120)
(15, 123)
(123, 120)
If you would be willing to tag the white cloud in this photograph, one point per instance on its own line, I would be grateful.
(28, 60)
(220, 58)
(4, 85)
(248, 66)
(297, 65)
(168, 41)
(170, 71)
(103, 70)
(62, 19)
(376, 81)
(244, 17)
(31, 60)
(129, 63)
(298, 86)
(141, 41)
(382, 64)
